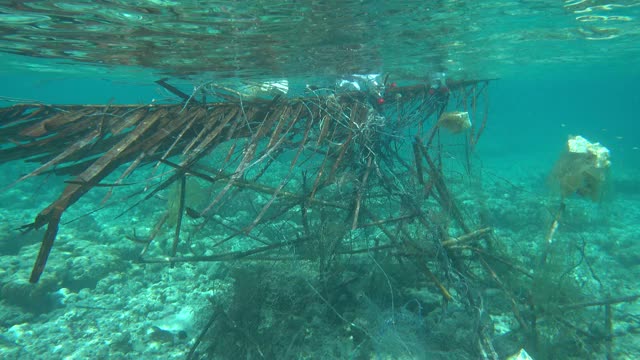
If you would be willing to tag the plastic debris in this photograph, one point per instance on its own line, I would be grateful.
(455, 121)
(583, 168)
(520, 355)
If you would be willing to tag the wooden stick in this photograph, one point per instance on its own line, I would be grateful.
(418, 162)
(174, 90)
(233, 255)
(182, 190)
(93, 175)
(446, 201)
(609, 301)
(608, 325)
(512, 299)
(474, 235)
(361, 190)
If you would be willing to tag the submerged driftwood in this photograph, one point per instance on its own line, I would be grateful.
(88, 142)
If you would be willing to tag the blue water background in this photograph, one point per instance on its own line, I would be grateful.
(533, 116)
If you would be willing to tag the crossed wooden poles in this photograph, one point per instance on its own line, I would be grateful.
(88, 142)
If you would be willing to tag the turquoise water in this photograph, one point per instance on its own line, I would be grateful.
(557, 69)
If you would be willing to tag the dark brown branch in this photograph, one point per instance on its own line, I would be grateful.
(609, 301)
(182, 190)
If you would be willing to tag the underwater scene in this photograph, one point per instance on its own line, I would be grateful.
(377, 180)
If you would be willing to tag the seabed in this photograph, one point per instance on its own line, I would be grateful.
(330, 226)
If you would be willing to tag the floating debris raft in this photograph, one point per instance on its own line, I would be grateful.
(352, 132)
